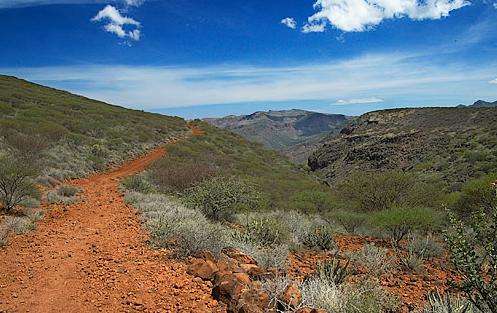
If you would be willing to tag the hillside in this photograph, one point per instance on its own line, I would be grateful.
(455, 144)
(294, 132)
(78, 135)
(484, 104)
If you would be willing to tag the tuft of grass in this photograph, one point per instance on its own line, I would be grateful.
(374, 259)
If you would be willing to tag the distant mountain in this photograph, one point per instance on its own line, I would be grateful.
(484, 104)
(296, 133)
(452, 143)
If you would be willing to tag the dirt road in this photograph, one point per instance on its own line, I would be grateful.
(92, 256)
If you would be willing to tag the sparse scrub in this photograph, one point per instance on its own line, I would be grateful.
(267, 257)
(475, 195)
(426, 247)
(366, 297)
(137, 183)
(67, 191)
(16, 182)
(374, 259)
(473, 247)
(221, 197)
(438, 303)
(264, 230)
(381, 191)
(320, 237)
(312, 201)
(172, 225)
(176, 178)
(349, 220)
(400, 222)
(334, 270)
(65, 194)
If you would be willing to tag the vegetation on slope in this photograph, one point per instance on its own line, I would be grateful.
(452, 144)
(78, 135)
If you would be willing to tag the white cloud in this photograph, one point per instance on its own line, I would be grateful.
(116, 23)
(134, 3)
(362, 15)
(360, 100)
(493, 81)
(289, 22)
(387, 76)
(495, 5)
(28, 3)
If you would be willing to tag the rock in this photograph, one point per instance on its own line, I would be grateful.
(309, 310)
(204, 269)
(240, 257)
(228, 264)
(251, 269)
(291, 296)
(252, 301)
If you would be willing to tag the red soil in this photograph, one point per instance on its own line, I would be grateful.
(411, 288)
(93, 256)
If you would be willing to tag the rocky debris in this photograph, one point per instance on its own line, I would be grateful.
(234, 282)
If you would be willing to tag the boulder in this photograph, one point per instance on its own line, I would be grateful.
(204, 269)
(291, 296)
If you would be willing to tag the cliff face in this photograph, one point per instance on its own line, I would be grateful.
(452, 143)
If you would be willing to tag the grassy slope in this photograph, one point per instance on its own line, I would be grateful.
(83, 134)
(454, 144)
(231, 154)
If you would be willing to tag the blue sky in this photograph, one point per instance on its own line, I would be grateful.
(216, 57)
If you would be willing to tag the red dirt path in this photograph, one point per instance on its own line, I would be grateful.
(92, 256)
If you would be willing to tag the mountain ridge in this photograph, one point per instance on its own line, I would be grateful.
(293, 132)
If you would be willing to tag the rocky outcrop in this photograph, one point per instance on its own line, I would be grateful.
(453, 143)
(234, 282)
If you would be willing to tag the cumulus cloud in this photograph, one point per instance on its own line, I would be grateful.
(116, 23)
(362, 15)
(360, 100)
(493, 81)
(289, 22)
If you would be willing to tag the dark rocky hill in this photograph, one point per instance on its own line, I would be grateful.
(296, 133)
(484, 104)
(454, 144)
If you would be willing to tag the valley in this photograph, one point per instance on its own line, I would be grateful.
(127, 211)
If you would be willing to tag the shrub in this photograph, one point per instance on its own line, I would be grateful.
(475, 195)
(266, 257)
(221, 197)
(16, 183)
(474, 254)
(365, 297)
(67, 191)
(399, 222)
(4, 234)
(334, 270)
(312, 201)
(266, 231)
(438, 303)
(171, 225)
(137, 183)
(374, 259)
(176, 178)
(349, 220)
(319, 237)
(385, 190)
(425, 246)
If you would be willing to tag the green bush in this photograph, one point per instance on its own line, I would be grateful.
(474, 195)
(379, 191)
(399, 222)
(349, 220)
(473, 247)
(221, 197)
(312, 201)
